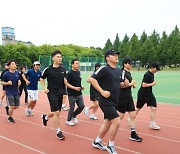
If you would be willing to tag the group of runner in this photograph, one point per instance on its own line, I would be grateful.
(110, 90)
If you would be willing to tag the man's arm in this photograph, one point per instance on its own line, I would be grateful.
(25, 79)
(43, 85)
(96, 85)
(146, 85)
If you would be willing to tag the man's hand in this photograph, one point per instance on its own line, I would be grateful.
(105, 94)
(27, 82)
(9, 83)
(126, 82)
(46, 90)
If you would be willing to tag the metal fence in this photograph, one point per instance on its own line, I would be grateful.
(86, 63)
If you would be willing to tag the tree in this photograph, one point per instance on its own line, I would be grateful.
(108, 45)
(116, 43)
(134, 48)
(163, 49)
(124, 46)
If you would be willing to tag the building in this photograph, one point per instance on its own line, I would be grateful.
(8, 36)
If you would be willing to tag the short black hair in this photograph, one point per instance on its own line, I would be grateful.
(10, 61)
(75, 59)
(55, 53)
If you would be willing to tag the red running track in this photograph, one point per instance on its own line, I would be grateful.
(29, 136)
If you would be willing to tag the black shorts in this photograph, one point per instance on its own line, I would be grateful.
(110, 112)
(125, 104)
(55, 101)
(151, 101)
(94, 94)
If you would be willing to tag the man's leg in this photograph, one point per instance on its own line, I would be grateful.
(80, 104)
(134, 136)
(152, 124)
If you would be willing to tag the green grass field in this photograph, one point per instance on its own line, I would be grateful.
(167, 89)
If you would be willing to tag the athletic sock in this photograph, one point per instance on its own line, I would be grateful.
(133, 129)
(58, 130)
(152, 122)
(98, 139)
(46, 117)
(111, 143)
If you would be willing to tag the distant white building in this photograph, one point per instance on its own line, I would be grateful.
(8, 36)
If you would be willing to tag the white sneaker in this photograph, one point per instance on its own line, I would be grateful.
(74, 120)
(70, 123)
(27, 113)
(93, 117)
(153, 125)
(64, 107)
(111, 149)
(86, 110)
(30, 113)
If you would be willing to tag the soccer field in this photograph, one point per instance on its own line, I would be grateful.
(167, 89)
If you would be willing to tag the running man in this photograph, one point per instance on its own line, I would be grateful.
(126, 103)
(106, 80)
(55, 75)
(11, 80)
(74, 88)
(94, 97)
(31, 78)
(145, 94)
(23, 85)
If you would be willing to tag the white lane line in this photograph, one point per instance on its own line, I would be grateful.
(8, 139)
(99, 125)
(72, 134)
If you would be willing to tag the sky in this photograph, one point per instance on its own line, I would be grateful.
(87, 22)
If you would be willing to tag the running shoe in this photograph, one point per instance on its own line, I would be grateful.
(154, 126)
(111, 149)
(60, 136)
(70, 123)
(86, 110)
(27, 112)
(74, 120)
(134, 137)
(93, 117)
(99, 145)
(11, 120)
(44, 121)
(64, 107)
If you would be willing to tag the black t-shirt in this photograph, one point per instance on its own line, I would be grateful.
(125, 91)
(23, 82)
(55, 78)
(109, 80)
(74, 78)
(148, 78)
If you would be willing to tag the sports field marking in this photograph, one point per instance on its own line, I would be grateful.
(98, 125)
(69, 134)
(160, 115)
(161, 124)
(124, 119)
(23, 145)
(168, 97)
